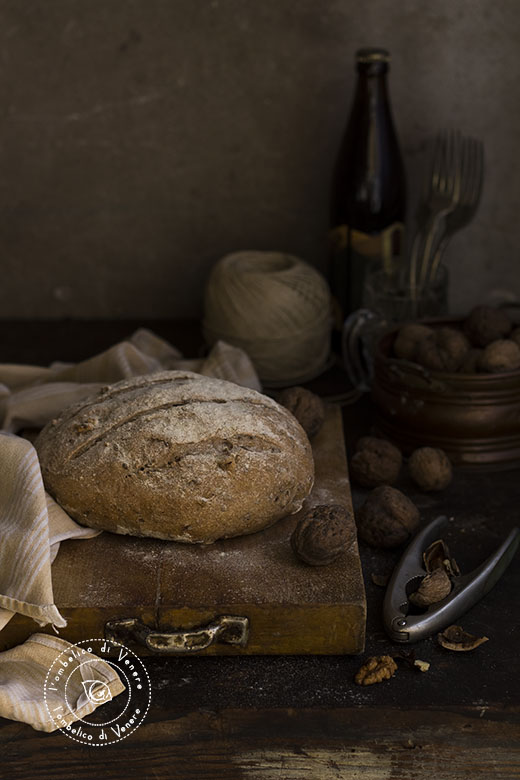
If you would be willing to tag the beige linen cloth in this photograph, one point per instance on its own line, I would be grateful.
(32, 524)
(23, 670)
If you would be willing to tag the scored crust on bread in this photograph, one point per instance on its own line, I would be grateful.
(176, 455)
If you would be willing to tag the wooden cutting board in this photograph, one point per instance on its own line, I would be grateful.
(286, 606)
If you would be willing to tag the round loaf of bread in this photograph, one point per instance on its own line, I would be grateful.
(177, 455)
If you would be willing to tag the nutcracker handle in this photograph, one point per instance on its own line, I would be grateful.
(229, 629)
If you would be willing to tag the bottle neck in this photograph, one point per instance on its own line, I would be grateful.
(371, 89)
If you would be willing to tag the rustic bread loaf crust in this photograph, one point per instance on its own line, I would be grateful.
(176, 455)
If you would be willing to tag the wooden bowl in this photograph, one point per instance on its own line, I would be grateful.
(475, 418)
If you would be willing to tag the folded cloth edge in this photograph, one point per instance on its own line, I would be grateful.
(43, 614)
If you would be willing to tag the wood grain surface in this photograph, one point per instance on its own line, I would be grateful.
(282, 744)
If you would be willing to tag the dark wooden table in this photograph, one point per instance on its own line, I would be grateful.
(290, 718)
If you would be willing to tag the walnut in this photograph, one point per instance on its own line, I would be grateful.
(434, 587)
(322, 534)
(515, 336)
(471, 361)
(375, 670)
(307, 407)
(376, 462)
(446, 350)
(408, 339)
(387, 518)
(430, 468)
(486, 324)
(455, 638)
(499, 356)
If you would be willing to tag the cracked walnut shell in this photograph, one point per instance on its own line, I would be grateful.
(455, 638)
(438, 556)
(322, 534)
(375, 670)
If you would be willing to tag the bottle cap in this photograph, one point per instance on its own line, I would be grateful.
(372, 55)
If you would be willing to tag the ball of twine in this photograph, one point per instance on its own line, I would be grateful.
(274, 306)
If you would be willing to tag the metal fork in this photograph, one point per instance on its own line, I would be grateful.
(442, 197)
(472, 174)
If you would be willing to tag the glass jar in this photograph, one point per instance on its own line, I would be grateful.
(386, 303)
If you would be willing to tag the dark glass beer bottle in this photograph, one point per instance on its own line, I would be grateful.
(368, 197)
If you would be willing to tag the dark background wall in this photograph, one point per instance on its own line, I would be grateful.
(143, 139)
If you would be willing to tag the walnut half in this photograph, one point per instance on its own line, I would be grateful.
(375, 670)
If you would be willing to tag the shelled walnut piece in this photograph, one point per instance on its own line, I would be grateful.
(409, 658)
(375, 670)
(375, 462)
